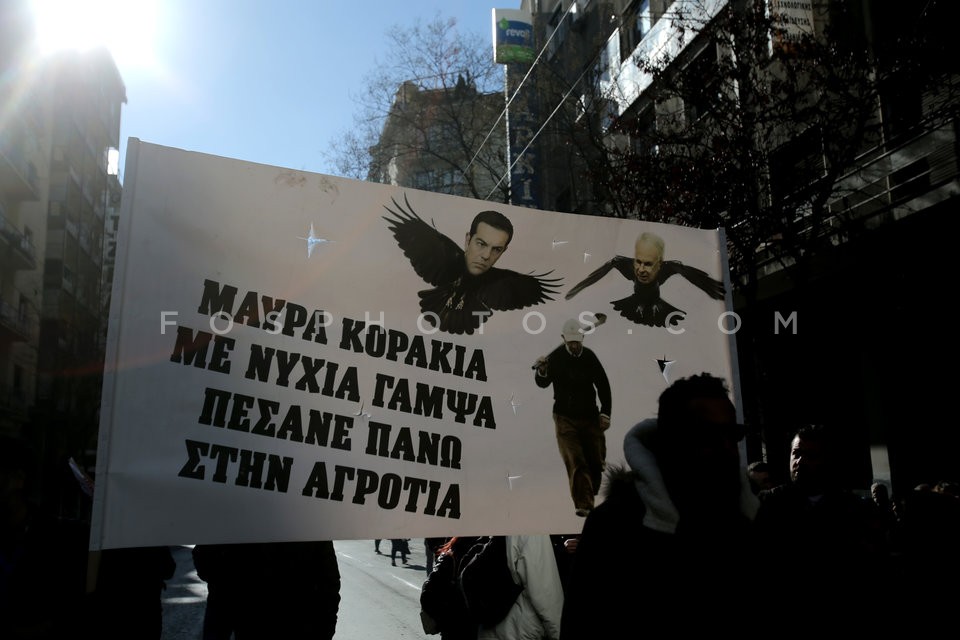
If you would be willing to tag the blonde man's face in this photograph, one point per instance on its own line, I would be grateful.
(646, 262)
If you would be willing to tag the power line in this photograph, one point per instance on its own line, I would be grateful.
(516, 91)
(539, 131)
(622, 18)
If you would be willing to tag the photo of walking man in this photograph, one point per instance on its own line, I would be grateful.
(579, 382)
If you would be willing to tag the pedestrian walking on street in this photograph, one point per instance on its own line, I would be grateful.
(399, 545)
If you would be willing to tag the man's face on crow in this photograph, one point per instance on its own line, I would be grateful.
(484, 248)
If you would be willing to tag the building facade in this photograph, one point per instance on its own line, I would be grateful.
(24, 156)
(827, 149)
(448, 138)
(87, 95)
(59, 199)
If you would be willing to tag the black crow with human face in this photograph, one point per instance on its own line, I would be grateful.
(644, 305)
(467, 288)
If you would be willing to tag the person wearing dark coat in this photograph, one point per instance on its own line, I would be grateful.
(669, 549)
(399, 545)
(269, 590)
(127, 602)
(815, 522)
(442, 605)
(580, 384)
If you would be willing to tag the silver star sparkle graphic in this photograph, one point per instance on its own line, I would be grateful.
(313, 241)
(514, 404)
(360, 412)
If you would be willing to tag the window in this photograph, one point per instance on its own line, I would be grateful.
(701, 85)
(902, 106)
(18, 380)
(642, 131)
(797, 164)
(558, 29)
(636, 24)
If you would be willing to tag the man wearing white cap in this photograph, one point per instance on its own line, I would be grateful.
(578, 380)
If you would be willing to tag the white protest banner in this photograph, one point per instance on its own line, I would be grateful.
(293, 356)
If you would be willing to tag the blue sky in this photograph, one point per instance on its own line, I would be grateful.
(267, 81)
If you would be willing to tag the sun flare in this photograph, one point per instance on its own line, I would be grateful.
(125, 27)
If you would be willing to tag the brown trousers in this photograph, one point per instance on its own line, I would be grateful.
(583, 448)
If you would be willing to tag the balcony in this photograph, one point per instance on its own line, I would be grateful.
(886, 185)
(16, 249)
(18, 176)
(916, 174)
(13, 326)
(13, 403)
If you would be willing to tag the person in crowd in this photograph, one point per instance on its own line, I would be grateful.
(758, 472)
(399, 545)
(886, 513)
(127, 600)
(376, 546)
(537, 611)
(813, 521)
(670, 546)
(948, 488)
(880, 496)
(269, 590)
(43, 559)
(579, 382)
(443, 609)
(430, 548)
(928, 535)
(564, 548)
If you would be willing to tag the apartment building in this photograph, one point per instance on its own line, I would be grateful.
(83, 194)
(24, 151)
(59, 200)
(448, 138)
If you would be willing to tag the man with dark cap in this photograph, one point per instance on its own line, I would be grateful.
(578, 380)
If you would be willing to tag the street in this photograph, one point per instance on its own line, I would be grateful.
(377, 600)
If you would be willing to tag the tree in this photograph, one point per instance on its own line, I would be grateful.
(750, 124)
(431, 116)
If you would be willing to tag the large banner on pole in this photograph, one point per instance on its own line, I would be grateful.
(293, 356)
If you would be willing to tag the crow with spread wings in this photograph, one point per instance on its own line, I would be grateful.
(648, 270)
(467, 288)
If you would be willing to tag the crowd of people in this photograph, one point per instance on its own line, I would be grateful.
(686, 535)
(688, 538)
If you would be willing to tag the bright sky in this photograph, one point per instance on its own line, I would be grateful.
(268, 81)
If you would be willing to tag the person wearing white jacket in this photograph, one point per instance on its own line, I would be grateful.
(536, 613)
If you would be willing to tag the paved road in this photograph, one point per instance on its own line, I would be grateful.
(377, 599)
(184, 600)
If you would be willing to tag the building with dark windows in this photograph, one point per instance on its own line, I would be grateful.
(24, 156)
(59, 203)
(447, 138)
